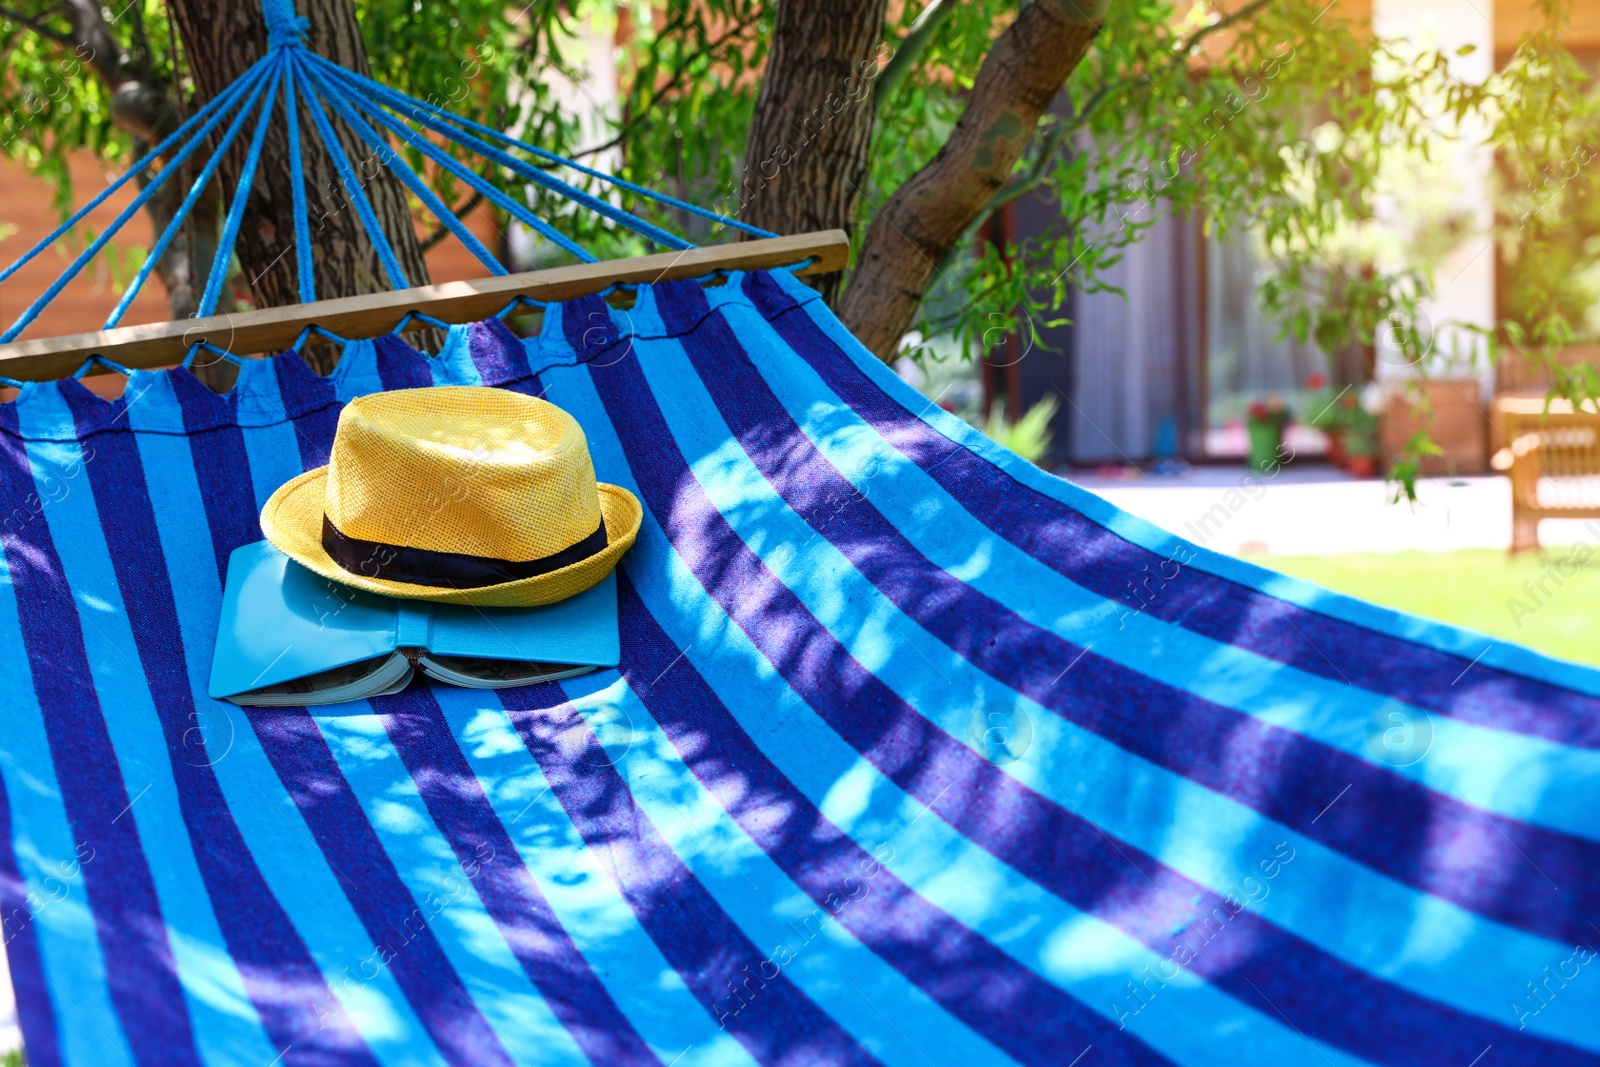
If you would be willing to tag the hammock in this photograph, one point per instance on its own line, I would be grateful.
(917, 755)
(897, 768)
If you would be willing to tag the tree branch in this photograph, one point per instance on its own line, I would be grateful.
(32, 22)
(143, 107)
(105, 55)
(657, 92)
(925, 218)
(912, 46)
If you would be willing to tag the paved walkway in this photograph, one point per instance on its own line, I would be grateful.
(1323, 511)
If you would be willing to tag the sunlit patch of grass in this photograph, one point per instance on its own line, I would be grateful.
(1549, 602)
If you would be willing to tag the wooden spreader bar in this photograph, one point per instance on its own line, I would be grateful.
(161, 344)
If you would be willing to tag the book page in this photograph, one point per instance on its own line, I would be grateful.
(479, 673)
(354, 681)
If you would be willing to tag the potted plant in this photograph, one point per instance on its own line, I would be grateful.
(1332, 417)
(1265, 423)
(1360, 433)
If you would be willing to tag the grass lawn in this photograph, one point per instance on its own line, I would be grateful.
(1475, 589)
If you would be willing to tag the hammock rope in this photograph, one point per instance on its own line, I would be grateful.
(292, 76)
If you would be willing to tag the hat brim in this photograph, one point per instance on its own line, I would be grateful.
(292, 521)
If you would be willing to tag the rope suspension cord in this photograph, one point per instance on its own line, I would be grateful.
(304, 275)
(495, 196)
(175, 227)
(378, 118)
(352, 185)
(230, 230)
(578, 196)
(249, 83)
(412, 181)
(461, 130)
(222, 101)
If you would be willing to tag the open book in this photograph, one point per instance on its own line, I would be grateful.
(291, 637)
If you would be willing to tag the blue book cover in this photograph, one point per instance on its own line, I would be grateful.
(304, 639)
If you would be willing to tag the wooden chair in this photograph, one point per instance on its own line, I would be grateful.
(1553, 459)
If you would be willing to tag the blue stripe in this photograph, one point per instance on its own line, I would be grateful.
(701, 941)
(299, 877)
(581, 893)
(357, 371)
(399, 365)
(138, 957)
(22, 953)
(455, 364)
(448, 903)
(410, 951)
(1210, 839)
(1029, 1019)
(217, 444)
(214, 891)
(297, 873)
(1519, 775)
(1040, 839)
(461, 811)
(1195, 1023)
(270, 439)
(498, 354)
(1292, 778)
(824, 957)
(305, 767)
(1064, 527)
(312, 406)
(49, 858)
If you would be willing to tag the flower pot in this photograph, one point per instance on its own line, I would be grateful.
(1266, 437)
(1362, 466)
(1336, 454)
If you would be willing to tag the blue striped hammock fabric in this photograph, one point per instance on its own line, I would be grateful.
(917, 755)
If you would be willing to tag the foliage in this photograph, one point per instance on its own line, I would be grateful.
(1549, 214)
(50, 102)
(1280, 116)
(1029, 436)
(1408, 465)
(1344, 414)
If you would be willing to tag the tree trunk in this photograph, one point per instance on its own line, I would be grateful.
(221, 38)
(806, 154)
(921, 223)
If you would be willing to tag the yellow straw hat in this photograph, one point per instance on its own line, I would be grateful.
(463, 494)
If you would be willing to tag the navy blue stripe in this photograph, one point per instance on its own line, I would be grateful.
(297, 1010)
(34, 1012)
(703, 944)
(1012, 1007)
(133, 936)
(311, 405)
(399, 929)
(1320, 994)
(399, 365)
(301, 758)
(460, 809)
(1100, 561)
(23, 958)
(1292, 776)
(217, 444)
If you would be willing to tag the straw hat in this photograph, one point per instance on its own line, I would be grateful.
(463, 494)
